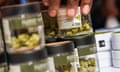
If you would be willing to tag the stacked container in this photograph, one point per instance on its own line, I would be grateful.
(85, 53)
(50, 25)
(23, 27)
(79, 30)
(70, 27)
(103, 43)
(61, 56)
(24, 37)
(29, 62)
(51, 28)
(116, 49)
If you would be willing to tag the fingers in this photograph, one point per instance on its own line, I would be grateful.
(72, 6)
(45, 2)
(53, 7)
(86, 6)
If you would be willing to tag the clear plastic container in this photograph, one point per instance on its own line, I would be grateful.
(51, 27)
(70, 27)
(29, 62)
(85, 53)
(61, 57)
(88, 63)
(23, 27)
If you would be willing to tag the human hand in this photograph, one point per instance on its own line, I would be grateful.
(71, 6)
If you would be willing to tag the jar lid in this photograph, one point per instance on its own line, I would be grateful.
(85, 39)
(14, 10)
(59, 47)
(27, 56)
(2, 58)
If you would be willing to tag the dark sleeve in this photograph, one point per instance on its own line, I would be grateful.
(98, 20)
(118, 4)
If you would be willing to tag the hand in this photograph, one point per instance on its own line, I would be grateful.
(71, 6)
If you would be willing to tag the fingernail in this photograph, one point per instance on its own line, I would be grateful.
(52, 13)
(86, 9)
(71, 12)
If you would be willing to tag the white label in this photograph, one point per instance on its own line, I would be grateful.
(67, 23)
(28, 22)
(15, 69)
(41, 67)
(51, 64)
(2, 69)
(7, 30)
(41, 33)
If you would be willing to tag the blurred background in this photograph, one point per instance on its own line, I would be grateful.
(105, 13)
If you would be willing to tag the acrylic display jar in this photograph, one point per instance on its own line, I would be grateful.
(50, 26)
(88, 63)
(61, 57)
(29, 62)
(104, 59)
(85, 53)
(23, 27)
(70, 27)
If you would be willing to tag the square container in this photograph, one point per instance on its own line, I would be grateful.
(116, 63)
(23, 27)
(85, 53)
(24, 37)
(103, 41)
(29, 62)
(116, 40)
(88, 63)
(116, 55)
(104, 59)
(116, 58)
(61, 56)
(70, 27)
